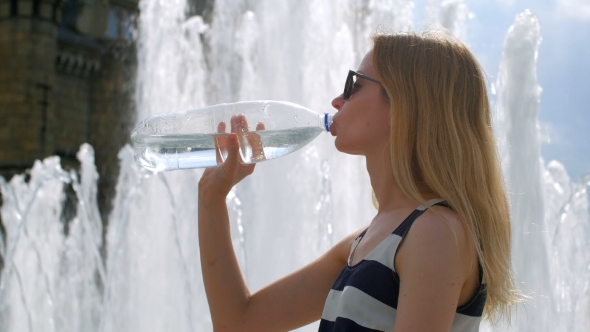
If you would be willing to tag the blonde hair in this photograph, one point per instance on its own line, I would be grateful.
(442, 145)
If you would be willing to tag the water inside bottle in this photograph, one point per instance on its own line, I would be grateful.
(171, 152)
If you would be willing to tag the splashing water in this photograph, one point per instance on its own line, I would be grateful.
(50, 281)
(551, 225)
(291, 210)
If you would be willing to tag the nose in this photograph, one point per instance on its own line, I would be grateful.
(338, 102)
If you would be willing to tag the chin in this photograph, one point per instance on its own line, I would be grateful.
(336, 145)
(342, 147)
(339, 146)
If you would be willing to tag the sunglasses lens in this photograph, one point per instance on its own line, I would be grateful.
(348, 86)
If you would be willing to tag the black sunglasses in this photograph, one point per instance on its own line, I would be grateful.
(350, 80)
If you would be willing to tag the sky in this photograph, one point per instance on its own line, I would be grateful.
(563, 68)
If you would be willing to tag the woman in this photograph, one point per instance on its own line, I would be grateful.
(436, 256)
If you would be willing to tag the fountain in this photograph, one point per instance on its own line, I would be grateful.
(551, 260)
(55, 277)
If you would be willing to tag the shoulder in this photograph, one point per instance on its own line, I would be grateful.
(439, 226)
(437, 240)
(433, 264)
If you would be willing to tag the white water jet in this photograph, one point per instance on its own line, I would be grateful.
(51, 281)
(519, 96)
(293, 208)
(454, 15)
(550, 221)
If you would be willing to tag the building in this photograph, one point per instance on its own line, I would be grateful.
(67, 71)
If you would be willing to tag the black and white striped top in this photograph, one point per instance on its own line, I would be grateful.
(364, 297)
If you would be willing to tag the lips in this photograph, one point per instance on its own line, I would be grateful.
(333, 129)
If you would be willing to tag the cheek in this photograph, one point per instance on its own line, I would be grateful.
(380, 131)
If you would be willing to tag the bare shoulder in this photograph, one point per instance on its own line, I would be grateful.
(437, 238)
(439, 226)
(435, 266)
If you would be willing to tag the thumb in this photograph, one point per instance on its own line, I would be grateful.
(233, 154)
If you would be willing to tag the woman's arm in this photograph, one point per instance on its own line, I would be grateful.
(433, 262)
(288, 303)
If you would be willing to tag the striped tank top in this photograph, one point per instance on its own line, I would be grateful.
(364, 296)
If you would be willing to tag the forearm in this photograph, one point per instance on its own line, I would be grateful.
(226, 290)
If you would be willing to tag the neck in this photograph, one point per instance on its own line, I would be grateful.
(388, 194)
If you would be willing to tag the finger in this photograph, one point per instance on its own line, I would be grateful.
(239, 124)
(221, 127)
(220, 144)
(231, 163)
(220, 148)
(256, 144)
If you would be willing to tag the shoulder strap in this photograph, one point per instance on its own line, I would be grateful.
(404, 227)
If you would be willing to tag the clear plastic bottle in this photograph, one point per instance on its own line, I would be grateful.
(198, 138)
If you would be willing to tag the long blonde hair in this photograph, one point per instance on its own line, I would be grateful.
(442, 145)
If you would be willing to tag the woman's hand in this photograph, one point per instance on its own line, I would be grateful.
(217, 182)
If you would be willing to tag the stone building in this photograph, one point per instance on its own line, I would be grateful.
(67, 71)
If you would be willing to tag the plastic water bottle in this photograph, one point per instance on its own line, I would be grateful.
(198, 138)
